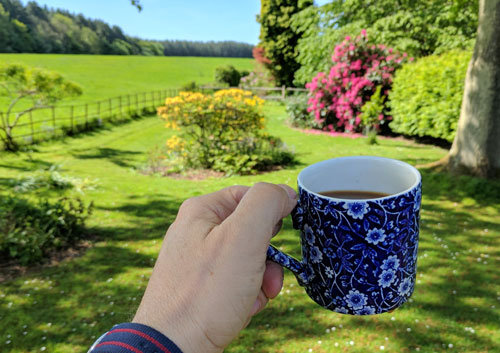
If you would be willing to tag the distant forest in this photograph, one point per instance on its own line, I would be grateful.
(36, 29)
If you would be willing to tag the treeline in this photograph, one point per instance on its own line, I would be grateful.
(36, 29)
(224, 48)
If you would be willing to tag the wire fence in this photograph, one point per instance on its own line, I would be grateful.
(46, 123)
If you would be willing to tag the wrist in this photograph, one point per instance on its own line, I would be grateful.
(187, 335)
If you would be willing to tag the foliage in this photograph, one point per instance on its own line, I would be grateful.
(41, 88)
(427, 95)
(137, 4)
(259, 54)
(420, 28)
(223, 132)
(278, 39)
(257, 78)
(358, 68)
(298, 114)
(374, 111)
(229, 75)
(51, 179)
(29, 230)
(215, 49)
(190, 86)
(36, 29)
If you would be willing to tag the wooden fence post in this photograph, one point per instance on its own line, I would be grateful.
(137, 102)
(153, 98)
(283, 92)
(128, 102)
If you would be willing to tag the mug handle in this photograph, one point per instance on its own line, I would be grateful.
(297, 267)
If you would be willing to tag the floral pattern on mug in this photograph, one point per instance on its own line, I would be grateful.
(360, 257)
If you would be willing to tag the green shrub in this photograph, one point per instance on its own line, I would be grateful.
(31, 230)
(50, 179)
(229, 75)
(190, 86)
(426, 95)
(223, 131)
(298, 116)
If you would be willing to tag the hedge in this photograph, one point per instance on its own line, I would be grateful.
(426, 96)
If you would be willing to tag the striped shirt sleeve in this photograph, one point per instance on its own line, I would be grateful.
(133, 338)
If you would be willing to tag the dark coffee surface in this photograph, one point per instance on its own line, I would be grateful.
(353, 194)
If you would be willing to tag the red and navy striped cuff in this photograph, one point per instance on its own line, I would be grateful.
(133, 338)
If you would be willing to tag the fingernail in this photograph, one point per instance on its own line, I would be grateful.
(256, 307)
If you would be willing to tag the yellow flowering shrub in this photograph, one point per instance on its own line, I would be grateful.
(222, 131)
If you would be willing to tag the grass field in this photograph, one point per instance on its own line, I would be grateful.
(64, 307)
(103, 77)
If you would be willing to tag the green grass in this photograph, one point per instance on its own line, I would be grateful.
(103, 77)
(64, 307)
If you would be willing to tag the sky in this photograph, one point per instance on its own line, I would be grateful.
(200, 20)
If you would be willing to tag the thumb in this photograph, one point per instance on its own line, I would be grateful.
(254, 219)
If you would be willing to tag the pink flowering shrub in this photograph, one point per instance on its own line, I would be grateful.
(336, 98)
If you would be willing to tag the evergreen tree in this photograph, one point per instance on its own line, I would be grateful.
(278, 38)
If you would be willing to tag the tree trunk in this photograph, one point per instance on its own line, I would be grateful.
(476, 148)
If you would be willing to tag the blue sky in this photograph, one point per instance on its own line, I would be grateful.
(202, 20)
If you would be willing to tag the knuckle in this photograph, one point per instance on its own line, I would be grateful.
(272, 191)
(189, 205)
(268, 187)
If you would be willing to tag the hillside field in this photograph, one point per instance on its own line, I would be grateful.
(105, 76)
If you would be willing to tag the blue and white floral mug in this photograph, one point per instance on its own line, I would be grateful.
(359, 256)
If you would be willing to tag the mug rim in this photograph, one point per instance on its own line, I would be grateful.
(392, 160)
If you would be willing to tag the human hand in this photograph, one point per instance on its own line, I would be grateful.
(211, 275)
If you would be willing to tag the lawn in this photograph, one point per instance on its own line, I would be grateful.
(106, 76)
(65, 306)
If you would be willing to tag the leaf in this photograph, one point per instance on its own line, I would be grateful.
(359, 246)
(374, 219)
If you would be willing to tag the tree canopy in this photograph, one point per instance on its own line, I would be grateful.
(278, 39)
(418, 27)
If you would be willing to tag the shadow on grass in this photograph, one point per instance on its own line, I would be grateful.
(150, 218)
(25, 163)
(455, 188)
(76, 300)
(118, 157)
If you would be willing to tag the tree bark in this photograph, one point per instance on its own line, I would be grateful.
(476, 148)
